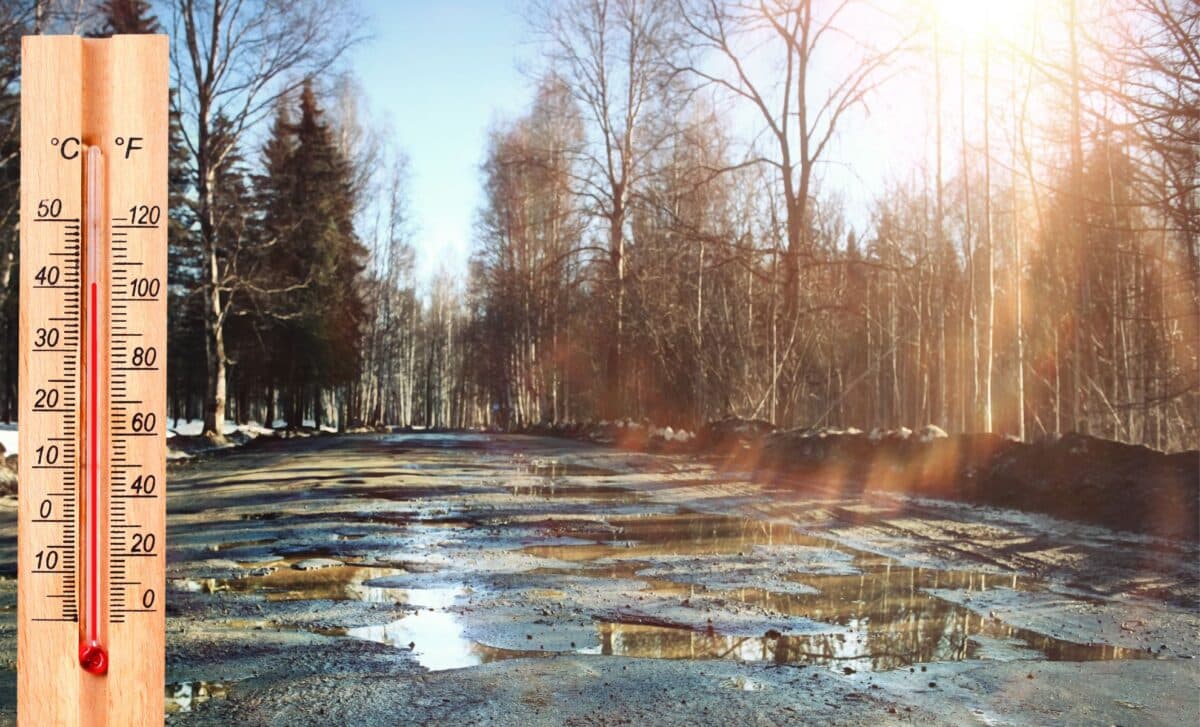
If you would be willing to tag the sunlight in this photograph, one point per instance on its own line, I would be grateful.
(974, 21)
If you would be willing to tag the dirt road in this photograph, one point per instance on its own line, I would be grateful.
(477, 579)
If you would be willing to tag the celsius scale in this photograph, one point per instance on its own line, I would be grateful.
(92, 502)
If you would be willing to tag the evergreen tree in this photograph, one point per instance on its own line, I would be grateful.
(126, 17)
(15, 20)
(315, 258)
(273, 194)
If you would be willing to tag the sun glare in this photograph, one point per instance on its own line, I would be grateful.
(977, 20)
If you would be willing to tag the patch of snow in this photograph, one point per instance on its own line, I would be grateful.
(255, 429)
(8, 438)
(195, 427)
(186, 585)
(931, 432)
(317, 563)
(669, 434)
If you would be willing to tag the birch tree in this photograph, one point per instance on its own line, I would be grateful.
(612, 55)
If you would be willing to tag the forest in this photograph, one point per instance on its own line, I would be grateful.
(661, 236)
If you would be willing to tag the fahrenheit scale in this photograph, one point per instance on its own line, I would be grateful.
(91, 534)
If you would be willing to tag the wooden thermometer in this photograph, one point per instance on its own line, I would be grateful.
(91, 535)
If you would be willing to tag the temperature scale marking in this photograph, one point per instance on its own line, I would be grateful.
(92, 500)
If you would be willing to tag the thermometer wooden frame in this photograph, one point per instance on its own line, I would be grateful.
(92, 501)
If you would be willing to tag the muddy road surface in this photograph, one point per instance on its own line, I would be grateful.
(480, 579)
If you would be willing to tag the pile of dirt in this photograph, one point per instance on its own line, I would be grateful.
(1075, 477)
(8, 474)
(733, 434)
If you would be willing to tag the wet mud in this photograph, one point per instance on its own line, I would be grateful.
(386, 579)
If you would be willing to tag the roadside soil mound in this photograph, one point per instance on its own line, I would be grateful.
(1075, 477)
(730, 435)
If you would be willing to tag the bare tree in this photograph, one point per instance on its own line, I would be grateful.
(389, 350)
(611, 54)
(234, 60)
(800, 113)
(14, 21)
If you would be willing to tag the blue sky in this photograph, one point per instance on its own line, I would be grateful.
(437, 75)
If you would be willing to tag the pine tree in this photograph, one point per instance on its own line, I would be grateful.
(325, 199)
(316, 260)
(126, 17)
(272, 360)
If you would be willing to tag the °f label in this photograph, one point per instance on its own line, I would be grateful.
(92, 499)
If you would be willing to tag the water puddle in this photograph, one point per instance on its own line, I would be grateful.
(552, 489)
(334, 583)
(219, 547)
(554, 469)
(705, 586)
(442, 645)
(869, 613)
(552, 480)
(435, 636)
(881, 619)
(651, 536)
(407, 492)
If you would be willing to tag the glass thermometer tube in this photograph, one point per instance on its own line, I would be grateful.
(93, 653)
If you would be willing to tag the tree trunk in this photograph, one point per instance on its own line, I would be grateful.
(214, 349)
(991, 243)
(614, 396)
(1079, 413)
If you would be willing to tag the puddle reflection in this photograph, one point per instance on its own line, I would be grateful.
(335, 583)
(553, 468)
(865, 613)
(882, 616)
(674, 534)
(862, 648)
(435, 635)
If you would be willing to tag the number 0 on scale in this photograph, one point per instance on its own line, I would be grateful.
(92, 499)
